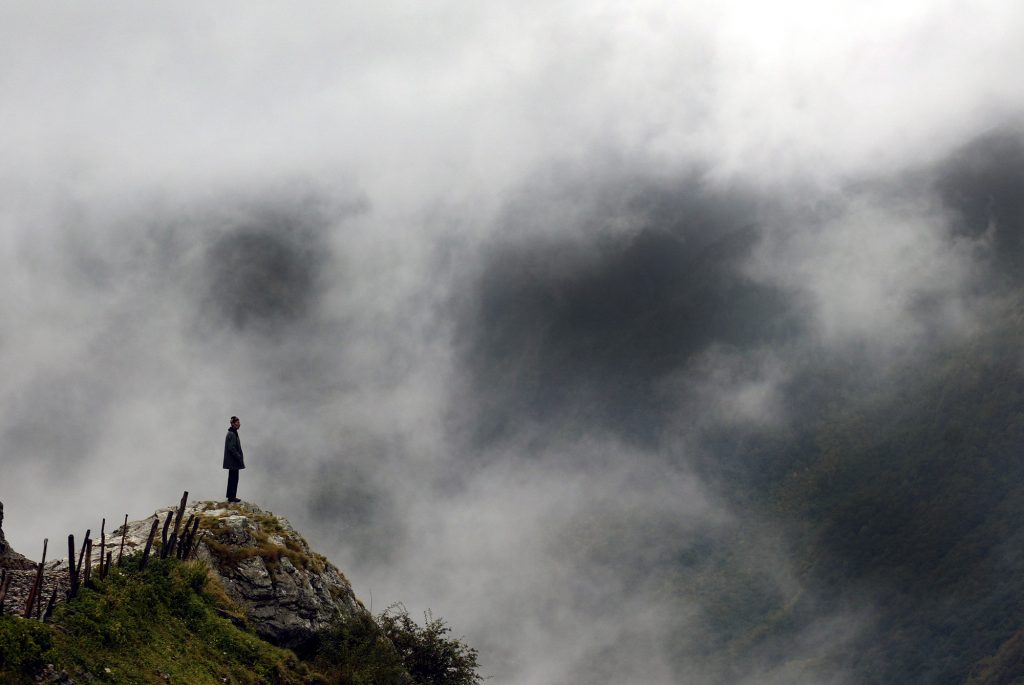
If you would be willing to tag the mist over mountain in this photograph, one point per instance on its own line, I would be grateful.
(645, 344)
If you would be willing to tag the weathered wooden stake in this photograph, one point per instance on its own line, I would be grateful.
(191, 538)
(177, 524)
(183, 543)
(124, 532)
(31, 600)
(149, 543)
(81, 560)
(72, 571)
(195, 545)
(39, 579)
(103, 546)
(163, 535)
(87, 572)
(51, 603)
(106, 567)
(38, 585)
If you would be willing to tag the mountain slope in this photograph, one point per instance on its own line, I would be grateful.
(257, 605)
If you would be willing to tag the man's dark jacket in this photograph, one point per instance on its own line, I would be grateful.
(233, 451)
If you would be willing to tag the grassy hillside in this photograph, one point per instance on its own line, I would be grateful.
(173, 623)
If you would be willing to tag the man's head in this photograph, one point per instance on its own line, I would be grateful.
(235, 423)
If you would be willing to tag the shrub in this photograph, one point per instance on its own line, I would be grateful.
(355, 651)
(430, 656)
(392, 649)
(23, 644)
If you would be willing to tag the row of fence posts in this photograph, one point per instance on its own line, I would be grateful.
(181, 547)
(80, 574)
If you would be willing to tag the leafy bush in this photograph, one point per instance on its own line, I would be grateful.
(23, 645)
(355, 651)
(392, 649)
(430, 656)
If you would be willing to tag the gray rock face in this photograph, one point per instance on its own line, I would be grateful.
(288, 592)
(285, 590)
(4, 547)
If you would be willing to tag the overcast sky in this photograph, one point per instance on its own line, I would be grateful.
(476, 276)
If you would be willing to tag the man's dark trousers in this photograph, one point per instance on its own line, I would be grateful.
(232, 483)
(234, 461)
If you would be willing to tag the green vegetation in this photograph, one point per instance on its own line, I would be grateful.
(431, 657)
(357, 652)
(392, 649)
(145, 627)
(172, 622)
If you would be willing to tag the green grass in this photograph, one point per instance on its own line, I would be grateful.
(145, 627)
(173, 622)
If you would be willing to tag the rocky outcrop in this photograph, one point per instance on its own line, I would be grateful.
(18, 576)
(288, 592)
(8, 557)
(284, 590)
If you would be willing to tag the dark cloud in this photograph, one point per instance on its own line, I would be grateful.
(266, 272)
(585, 329)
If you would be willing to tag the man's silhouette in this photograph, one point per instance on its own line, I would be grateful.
(233, 460)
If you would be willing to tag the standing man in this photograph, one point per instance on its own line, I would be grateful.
(233, 460)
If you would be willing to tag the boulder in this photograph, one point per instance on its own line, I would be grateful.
(284, 590)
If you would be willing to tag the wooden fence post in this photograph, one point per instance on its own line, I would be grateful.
(80, 573)
(124, 532)
(191, 539)
(184, 537)
(103, 546)
(72, 570)
(177, 524)
(87, 575)
(163, 535)
(195, 545)
(37, 585)
(149, 543)
(50, 604)
(192, 536)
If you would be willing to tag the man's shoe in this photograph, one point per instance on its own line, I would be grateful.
(234, 499)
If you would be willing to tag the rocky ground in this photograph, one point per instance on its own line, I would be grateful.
(18, 575)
